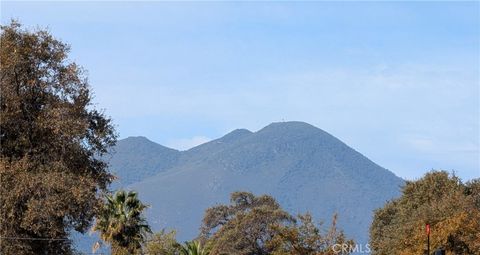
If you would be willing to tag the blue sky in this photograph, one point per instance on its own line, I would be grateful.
(398, 82)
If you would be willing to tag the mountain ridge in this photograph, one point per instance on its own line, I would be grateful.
(304, 167)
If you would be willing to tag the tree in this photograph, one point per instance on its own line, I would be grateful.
(120, 223)
(193, 248)
(439, 199)
(253, 225)
(52, 139)
(308, 239)
(245, 226)
(163, 243)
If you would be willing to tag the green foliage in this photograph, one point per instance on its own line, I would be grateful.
(439, 199)
(194, 248)
(253, 225)
(162, 243)
(51, 140)
(308, 239)
(120, 223)
(245, 226)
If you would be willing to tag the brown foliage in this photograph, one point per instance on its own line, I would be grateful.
(162, 243)
(443, 201)
(51, 142)
(253, 225)
(245, 226)
(308, 239)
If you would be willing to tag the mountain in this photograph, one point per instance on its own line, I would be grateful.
(303, 167)
(136, 158)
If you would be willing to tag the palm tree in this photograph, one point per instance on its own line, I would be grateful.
(120, 223)
(193, 248)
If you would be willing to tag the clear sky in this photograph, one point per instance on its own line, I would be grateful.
(399, 82)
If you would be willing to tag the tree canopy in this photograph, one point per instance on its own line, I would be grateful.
(121, 223)
(439, 199)
(245, 226)
(52, 139)
(162, 243)
(308, 238)
(256, 225)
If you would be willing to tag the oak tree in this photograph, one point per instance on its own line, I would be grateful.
(162, 243)
(308, 238)
(450, 207)
(245, 226)
(52, 139)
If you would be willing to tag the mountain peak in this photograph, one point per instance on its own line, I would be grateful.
(235, 134)
(136, 158)
(290, 125)
(140, 143)
(292, 129)
(136, 138)
(219, 143)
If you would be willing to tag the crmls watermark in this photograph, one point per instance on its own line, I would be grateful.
(347, 249)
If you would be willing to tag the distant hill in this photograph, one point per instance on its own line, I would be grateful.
(303, 167)
(136, 158)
